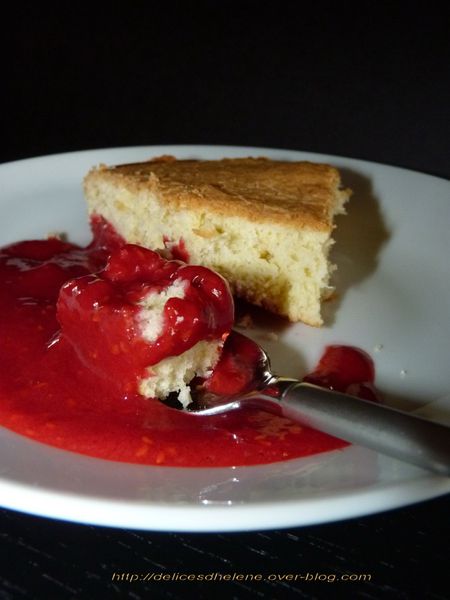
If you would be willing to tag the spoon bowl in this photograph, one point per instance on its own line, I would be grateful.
(386, 430)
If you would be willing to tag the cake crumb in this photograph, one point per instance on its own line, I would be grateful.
(62, 236)
(403, 373)
(246, 322)
(378, 348)
(270, 336)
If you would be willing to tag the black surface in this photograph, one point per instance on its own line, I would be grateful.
(367, 82)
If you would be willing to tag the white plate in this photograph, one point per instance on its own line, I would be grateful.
(394, 302)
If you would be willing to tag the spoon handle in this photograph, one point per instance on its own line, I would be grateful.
(389, 431)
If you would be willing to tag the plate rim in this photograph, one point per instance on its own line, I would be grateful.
(232, 147)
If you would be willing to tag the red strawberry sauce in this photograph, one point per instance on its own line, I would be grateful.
(50, 391)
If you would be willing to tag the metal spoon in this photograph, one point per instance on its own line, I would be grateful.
(387, 430)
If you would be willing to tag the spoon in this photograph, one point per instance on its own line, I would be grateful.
(386, 430)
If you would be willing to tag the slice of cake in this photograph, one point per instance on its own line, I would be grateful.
(264, 225)
(146, 324)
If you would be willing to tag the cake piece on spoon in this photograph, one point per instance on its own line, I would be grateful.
(146, 324)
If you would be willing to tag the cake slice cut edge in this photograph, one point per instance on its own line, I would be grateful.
(265, 225)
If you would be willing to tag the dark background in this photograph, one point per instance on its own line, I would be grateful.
(365, 82)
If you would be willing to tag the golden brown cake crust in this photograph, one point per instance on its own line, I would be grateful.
(296, 194)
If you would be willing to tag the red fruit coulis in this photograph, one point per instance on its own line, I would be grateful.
(69, 367)
(99, 314)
